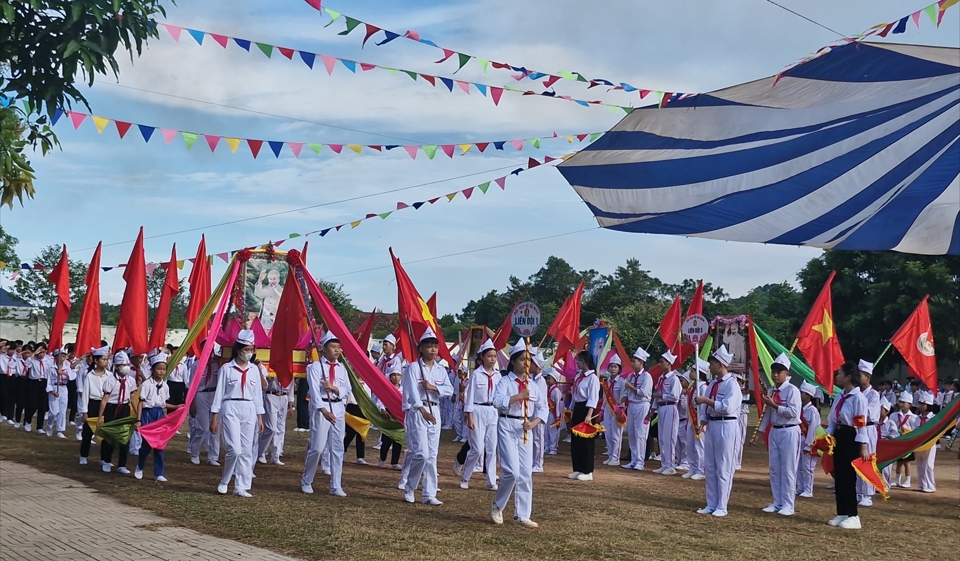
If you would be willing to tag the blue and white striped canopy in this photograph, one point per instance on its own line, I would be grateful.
(858, 149)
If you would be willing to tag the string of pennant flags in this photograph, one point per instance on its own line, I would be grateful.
(225, 256)
(330, 63)
(296, 148)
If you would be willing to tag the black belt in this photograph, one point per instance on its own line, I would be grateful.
(237, 399)
(485, 404)
(433, 404)
(512, 417)
(871, 423)
(661, 402)
(723, 418)
(275, 393)
(784, 426)
(337, 400)
(208, 390)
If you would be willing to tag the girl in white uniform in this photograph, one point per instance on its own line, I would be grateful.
(154, 402)
(115, 404)
(926, 458)
(612, 384)
(555, 405)
(57, 403)
(809, 423)
(481, 417)
(692, 435)
(667, 394)
(238, 408)
(92, 395)
(903, 422)
(521, 407)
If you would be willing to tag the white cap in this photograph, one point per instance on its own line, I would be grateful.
(615, 359)
(519, 347)
(808, 388)
(121, 358)
(722, 355)
(376, 348)
(390, 339)
(393, 367)
(703, 366)
(738, 375)
(884, 404)
(428, 334)
(327, 337)
(246, 337)
(685, 375)
(549, 372)
(926, 397)
(538, 359)
(152, 353)
(783, 360)
(158, 358)
(906, 397)
(486, 346)
(102, 351)
(671, 358)
(865, 367)
(641, 354)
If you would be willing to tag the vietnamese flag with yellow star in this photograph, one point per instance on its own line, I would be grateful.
(415, 316)
(818, 340)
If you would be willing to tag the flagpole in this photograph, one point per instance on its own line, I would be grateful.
(793, 346)
(887, 348)
(527, 368)
(654, 336)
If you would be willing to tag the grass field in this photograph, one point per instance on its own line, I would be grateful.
(621, 515)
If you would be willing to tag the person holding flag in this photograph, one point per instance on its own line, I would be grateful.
(537, 375)
(781, 417)
(330, 387)
(481, 417)
(694, 438)
(848, 425)
(586, 394)
(718, 418)
(114, 405)
(637, 392)
(866, 491)
(926, 482)
(667, 394)
(57, 377)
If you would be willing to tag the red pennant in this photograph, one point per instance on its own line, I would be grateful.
(255, 146)
(371, 29)
(122, 127)
(447, 53)
(431, 201)
(170, 290)
(367, 67)
(447, 149)
(550, 81)
(88, 332)
(60, 277)
(481, 146)
(134, 315)
(315, 4)
(286, 52)
(495, 94)
(468, 192)
(531, 163)
(431, 79)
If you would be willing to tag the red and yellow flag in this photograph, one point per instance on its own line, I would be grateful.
(818, 340)
(415, 316)
(914, 340)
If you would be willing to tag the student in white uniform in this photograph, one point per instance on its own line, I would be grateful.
(424, 383)
(719, 414)
(115, 404)
(903, 422)
(154, 403)
(92, 396)
(521, 406)
(278, 407)
(809, 423)
(238, 408)
(612, 387)
(586, 398)
(459, 385)
(682, 462)
(11, 369)
(555, 405)
(481, 417)
(330, 387)
(848, 425)
(388, 445)
(667, 394)
(781, 416)
(36, 387)
(887, 431)
(926, 482)
(865, 491)
(57, 394)
(637, 391)
(83, 368)
(537, 363)
(743, 418)
(200, 436)
(692, 434)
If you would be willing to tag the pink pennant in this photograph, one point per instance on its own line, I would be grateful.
(495, 94)
(401, 206)
(212, 141)
(566, 97)
(220, 39)
(916, 18)
(168, 134)
(518, 144)
(367, 67)
(502, 182)
(77, 119)
(295, 147)
(173, 30)
(337, 148)
(410, 34)
(468, 192)
(644, 93)
(329, 62)
(412, 150)
(315, 4)
(447, 53)
(465, 86)
(447, 149)
(279, 243)
(940, 14)
(548, 159)
(225, 256)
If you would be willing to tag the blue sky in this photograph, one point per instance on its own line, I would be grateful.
(99, 187)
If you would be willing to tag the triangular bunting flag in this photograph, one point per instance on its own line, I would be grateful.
(412, 150)
(448, 82)
(355, 147)
(286, 52)
(173, 30)
(100, 123)
(464, 59)
(308, 58)
(416, 206)
(465, 147)
(316, 148)
(197, 35)
(430, 150)
(295, 147)
(337, 148)
(328, 62)
(122, 128)
(242, 43)
(447, 53)
(451, 196)
(276, 146)
(481, 146)
(483, 187)
(189, 138)
(401, 206)
(447, 149)
(220, 39)
(233, 143)
(502, 182)
(146, 132)
(468, 192)
(76, 118)
(212, 141)
(265, 49)
(518, 144)
(254, 146)
(351, 25)
(427, 78)
(168, 135)
(355, 223)
(384, 215)
(531, 163)
(370, 30)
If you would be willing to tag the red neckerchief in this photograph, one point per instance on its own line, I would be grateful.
(522, 385)
(243, 380)
(715, 389)
(903, 420)
(489, 385)
(776, 397)
(839, 408)
(123, 392)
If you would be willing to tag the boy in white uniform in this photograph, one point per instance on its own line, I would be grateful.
(637, 389)
(329, 388)
(57, 380)
(781, 415)
(926, 458)
(555, 404)
(667, 395)
(278, 407)
(809, 423)
(537, 362)
(865, 491)
(719, 417)
(692, 435)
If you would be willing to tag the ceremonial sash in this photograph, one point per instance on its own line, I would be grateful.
(612, 403)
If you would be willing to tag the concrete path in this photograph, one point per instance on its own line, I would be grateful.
(37, 524)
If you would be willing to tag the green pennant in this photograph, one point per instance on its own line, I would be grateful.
(334, 15)
(535, 142)
(595, 135)
(189, 138)
(512, 89)
(430, 150)
(483, 64)
(384, 215)
(316, 147)
(566, 74)
(291, 236)
(411, 73)
(390, 70)
(351, 25)
(627, 110)
(580, 77)
(931, 11)
(387, 424)
(265, 48)
(483, 187)
(464, 59)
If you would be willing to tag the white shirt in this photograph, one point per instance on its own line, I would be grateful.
(811, 416)
(873, 404)
(234, 382)
(555, 395)
(669, 387)
(586, 388)
(11, 365)
(415, 395)
(788, 413)
(209, 381)
(57, 379)
(112, 385)
(273, 385)
(534, 407)
(93, 388)
(153, 394)
(644, 384)
(727, 397)
(903, 422)
(180, 373)
(317, 374)
(850, 409)
(479, 389)
(37, 369)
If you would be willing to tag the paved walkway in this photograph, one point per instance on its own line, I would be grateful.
(37, 524)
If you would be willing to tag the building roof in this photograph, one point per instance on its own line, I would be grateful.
(8, 300)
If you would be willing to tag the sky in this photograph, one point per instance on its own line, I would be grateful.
(98, 187)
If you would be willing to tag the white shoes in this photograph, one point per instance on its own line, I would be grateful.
(705, 510)
(536, 470)
(464, 484)
(668, 471)
(496, 515)
(277, 462)
(195, 460)
(492, 487)
(83, 461)
(526, 523)
(631, 465)
(106, 467)
(27, 427)
(928, 490)
(585, 477)
(831, 485)
(659, 470)
(307, 489)
(61, 435)
(850, 523)
(326, 472)
(687, 475)
(138, 473)
(574, 475)
(362, 462)
(806, 495)
(771, 508)
(262, 460)
(243, 494)
(79, 436)
(15, 425)
(396, 467)
(338, 493)
(381, 464)
(866, 501)
(719, 513)
(123, 471)
(785, 512)
(457, 468)
(213, 463)
(161, 479)
(836, 521)
(698, 477)
(222, 489)
(408, 496)
(432, 501)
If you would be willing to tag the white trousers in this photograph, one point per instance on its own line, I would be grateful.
(57, 406)
(682, 460)
(325, 435)
(274, 424)
(719, 455)
(459, 425)
(483, 443)
(925, 461)
(447, 406)
(539, 434)
(613, 433)
(238, 422)
(784, 454)
(864, 488)
(516, 460)
(667, 435)
(807, 465)
(694, 449)
(637, 430)
(741, 438)
(553, 435)
(423, 443)
(200, 435)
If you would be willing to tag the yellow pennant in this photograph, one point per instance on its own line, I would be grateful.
(233, 143)
(355, 147)
(465, 147)
(180, 264)
(101, 123)
(355, 223)
(451, 196)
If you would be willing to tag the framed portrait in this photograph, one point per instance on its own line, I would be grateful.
(732, 332)
(263, 285)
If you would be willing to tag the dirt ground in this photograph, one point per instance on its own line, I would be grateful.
(620, 515)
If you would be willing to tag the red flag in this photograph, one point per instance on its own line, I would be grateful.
(415, 316)
(502, 337)
(914, 340)
(88, 332)
(60, 277)
(565, 328)
(818, 341)
(670, 327)
(289, 325)
(171, 287)
(696, 303)
(362, 336)
(200, 289)
(134, 315)
(432, 304)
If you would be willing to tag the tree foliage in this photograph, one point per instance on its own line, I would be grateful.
(178, 307)
(8, 249)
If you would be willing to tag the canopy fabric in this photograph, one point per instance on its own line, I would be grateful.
(858, 149)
